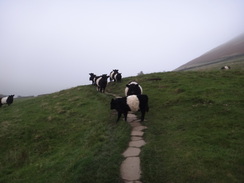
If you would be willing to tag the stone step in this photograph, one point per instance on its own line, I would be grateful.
(139, 128)
(135, 138)
(137, 133)
(132, 151)
(130, 169)
(138, 143)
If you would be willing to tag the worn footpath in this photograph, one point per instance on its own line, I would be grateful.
(130, 170)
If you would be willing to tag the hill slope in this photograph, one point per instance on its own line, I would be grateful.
(66, 136)
(195, 126)
(230, 53)
(195, 132)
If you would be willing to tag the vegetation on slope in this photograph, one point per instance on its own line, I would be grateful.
(195, 132)
(195, 127)
(68, 136)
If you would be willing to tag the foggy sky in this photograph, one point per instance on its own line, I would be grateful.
(50, 45)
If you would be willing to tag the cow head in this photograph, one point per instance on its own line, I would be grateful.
(92, 76)
(10, 99)
(133, 89)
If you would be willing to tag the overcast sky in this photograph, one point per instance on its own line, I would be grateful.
(50, 45)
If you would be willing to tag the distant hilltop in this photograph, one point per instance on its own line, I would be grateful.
(230, 53)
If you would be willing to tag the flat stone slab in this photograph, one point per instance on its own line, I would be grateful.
(130, 115)
(138, 143)
(139, 128)
(132, 151)
(127, 181)
(130, 169)
(135, 138)
(135, 124)
(137, 133)
(131, 118)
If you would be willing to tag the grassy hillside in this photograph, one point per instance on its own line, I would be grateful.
(69, 136)
(195, 132)
(195, 127)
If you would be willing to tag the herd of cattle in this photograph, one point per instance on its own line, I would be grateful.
(134, 99)
(101, 81)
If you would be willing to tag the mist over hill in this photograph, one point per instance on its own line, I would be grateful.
(230, 53)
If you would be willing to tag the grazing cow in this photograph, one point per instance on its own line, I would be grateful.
(101, 82)
(7, 100)
(133, 88)
(131, 103)
(225, 67)
(92, 78)
(112, 73)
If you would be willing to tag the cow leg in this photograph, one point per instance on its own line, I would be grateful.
(119, 115)
(125, 115)
(142, 115)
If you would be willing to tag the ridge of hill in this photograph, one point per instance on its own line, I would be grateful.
(230, 53)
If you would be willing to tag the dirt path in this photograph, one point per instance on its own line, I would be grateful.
(130, 169)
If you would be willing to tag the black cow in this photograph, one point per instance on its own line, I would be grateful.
(118, 77)
(92, 78)
(7, 100)
(130, 103)
(112, 73)
(101, 82)
(133, 88)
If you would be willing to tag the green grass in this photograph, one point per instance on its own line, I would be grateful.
(67, 136)
(195, 132)
(195, 127)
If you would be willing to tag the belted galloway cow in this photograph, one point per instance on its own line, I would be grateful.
(132, 103)
(7, 100)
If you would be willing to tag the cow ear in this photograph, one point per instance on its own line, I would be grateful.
(137, 84)
(127, 85)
